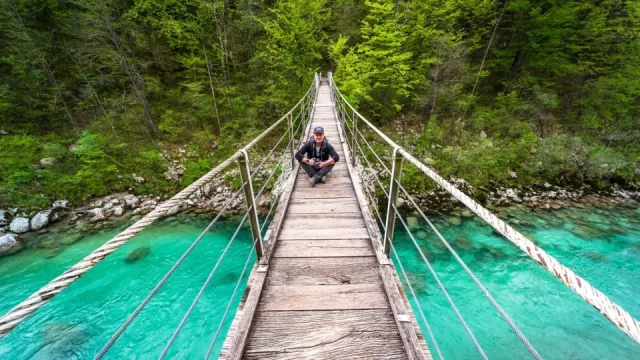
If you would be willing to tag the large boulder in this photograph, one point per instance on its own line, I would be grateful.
(118, 211)
(173, 210)
(40, 220)
(97, 215)
(9, 244)
(19, 225)
(131, 201)
(60, 204)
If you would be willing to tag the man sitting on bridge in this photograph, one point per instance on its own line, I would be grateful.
(317, 157)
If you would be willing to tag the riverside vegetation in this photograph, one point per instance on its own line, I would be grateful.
(145, 96)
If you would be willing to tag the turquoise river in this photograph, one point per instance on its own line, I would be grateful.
(600, 243)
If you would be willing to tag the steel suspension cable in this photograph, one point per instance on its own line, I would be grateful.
(233, 296)
(502, 313)
(213, 271)
(203, 287)
(270, 152)
(164, 279)
(27, 307)
(484, 290)
(442, 288)
(415, 299)
(612, 311)
(433, 273)
(235, 290)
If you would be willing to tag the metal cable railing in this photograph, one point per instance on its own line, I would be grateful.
(202, 288)
(164, 279)
(416, 301)
(251, 208)
(235, 290)
(460, 261)
(621, 318)
(27, 307)
(433, 273)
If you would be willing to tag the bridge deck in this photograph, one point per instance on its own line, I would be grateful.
(327, 290)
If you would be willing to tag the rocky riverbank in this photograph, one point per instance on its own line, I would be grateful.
(18, 226)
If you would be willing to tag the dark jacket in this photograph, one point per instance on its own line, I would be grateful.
(326, 150)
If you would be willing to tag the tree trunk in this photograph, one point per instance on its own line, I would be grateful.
(129, 69)
(45, 65)
(213, 93)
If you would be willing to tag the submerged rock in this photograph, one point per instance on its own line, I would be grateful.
(71, 239)
(137, 254)
(51, 253)
(585, 232)
(455, 221)
(61, 341)
(412, 223)
(463, 243)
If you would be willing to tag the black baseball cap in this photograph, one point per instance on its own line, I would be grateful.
(318, 130)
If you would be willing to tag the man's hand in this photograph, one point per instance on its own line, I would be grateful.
(311, 162)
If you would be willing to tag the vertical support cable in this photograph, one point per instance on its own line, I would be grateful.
(354, 121)
(243, 164)
(393, 196)
(293, 159)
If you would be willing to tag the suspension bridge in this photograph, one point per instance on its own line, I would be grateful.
(324, 277)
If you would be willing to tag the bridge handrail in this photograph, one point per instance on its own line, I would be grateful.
(612, 311)
(27, 307)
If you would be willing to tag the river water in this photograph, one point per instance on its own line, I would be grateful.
(601, 244)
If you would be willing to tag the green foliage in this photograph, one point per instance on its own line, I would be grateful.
(557, 98)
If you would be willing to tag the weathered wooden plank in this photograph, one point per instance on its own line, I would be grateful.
(320, 188)
(306, 206)
(323, 297)
(324, 271)
(323, 248)
(415, 348)
(350, 334)
(326, 234)
(323, 192)
(333, 180)
(333, 221)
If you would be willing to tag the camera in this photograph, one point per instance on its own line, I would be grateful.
(316, 163)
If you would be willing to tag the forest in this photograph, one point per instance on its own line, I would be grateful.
(499, 93)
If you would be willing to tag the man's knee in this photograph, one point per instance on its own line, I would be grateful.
(310, 170)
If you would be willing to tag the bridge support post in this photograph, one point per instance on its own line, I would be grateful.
(245, 176)
(291, 140)
(393, 196)
(354, 122)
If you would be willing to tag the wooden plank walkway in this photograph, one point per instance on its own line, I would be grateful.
(324, 290)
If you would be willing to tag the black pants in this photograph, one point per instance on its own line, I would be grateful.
(311, 171)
